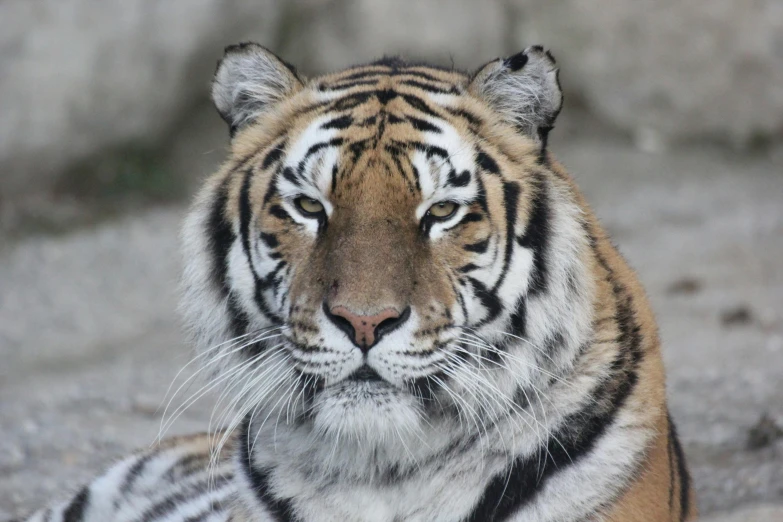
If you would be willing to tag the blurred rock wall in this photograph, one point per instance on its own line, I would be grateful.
(78, 77)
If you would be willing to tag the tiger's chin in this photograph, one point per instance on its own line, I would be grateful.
(366, 411)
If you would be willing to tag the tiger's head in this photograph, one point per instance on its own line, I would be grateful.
(387, 247)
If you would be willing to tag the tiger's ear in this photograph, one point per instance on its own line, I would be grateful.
(248, 80)
(524, 89)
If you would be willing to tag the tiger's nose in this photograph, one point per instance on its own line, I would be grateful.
(365, 330)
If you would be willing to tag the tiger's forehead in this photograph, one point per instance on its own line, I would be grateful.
(396, 129)
(422, 76)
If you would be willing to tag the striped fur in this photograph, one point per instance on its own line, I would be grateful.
(521, 376)
(171, 482)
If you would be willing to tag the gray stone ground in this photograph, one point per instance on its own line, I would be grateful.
(89, 340)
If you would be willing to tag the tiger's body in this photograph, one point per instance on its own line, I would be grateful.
(417, 315)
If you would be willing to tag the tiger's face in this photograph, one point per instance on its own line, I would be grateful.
(375, 235)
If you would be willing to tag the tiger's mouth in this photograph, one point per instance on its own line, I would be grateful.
(366, 374)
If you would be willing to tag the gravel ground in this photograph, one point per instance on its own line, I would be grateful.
(90, 342)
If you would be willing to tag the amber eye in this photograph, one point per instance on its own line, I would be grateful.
(309, 206)
(443, 210)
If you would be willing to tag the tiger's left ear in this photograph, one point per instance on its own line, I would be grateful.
(524, 89)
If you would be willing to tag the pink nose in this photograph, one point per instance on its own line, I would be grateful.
(365, 327)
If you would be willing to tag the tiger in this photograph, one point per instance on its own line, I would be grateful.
(414, 314)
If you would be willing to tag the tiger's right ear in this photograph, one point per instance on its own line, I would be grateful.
(524, 89)
(248, 80)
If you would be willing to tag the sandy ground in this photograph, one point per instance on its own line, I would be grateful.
(89, 340)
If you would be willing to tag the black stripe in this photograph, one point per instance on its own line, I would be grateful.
(488, 299)
(423, 125)
(397, 154)
(245, 216)
(350, 101)
(510, 200)
(78, 506)
(391, 118)
(429, 150)
(429, 87)
(385, 96)
(288, 173)
(472, 119)
(419, 73)
(343, 122)
(518, 319)
(479, 247)
(682, 470)
(536, 238)
(270, 240)
(281, 510)
(458, 180)
(415, 172)
(273, 156)
(510, 491)
(420, 105)
(133, 473)
(366, 74)
(486, 162)
(382, 69)
(401, 170)
(345, 85)
(358, 148)
(221, 237)
(312, 150)
(460, 299)
(173, 502)
(482, 196)
(271, 190)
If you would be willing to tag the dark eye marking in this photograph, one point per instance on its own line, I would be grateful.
(472, 217)
(479, 247)
(458, 180)
(279, 212)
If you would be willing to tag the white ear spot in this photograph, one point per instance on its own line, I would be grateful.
(248, 80)
(524, 89)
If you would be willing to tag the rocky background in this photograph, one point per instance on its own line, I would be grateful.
(673, 125)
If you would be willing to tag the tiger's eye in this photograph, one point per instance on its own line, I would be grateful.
(309, 205)
(443, 210)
